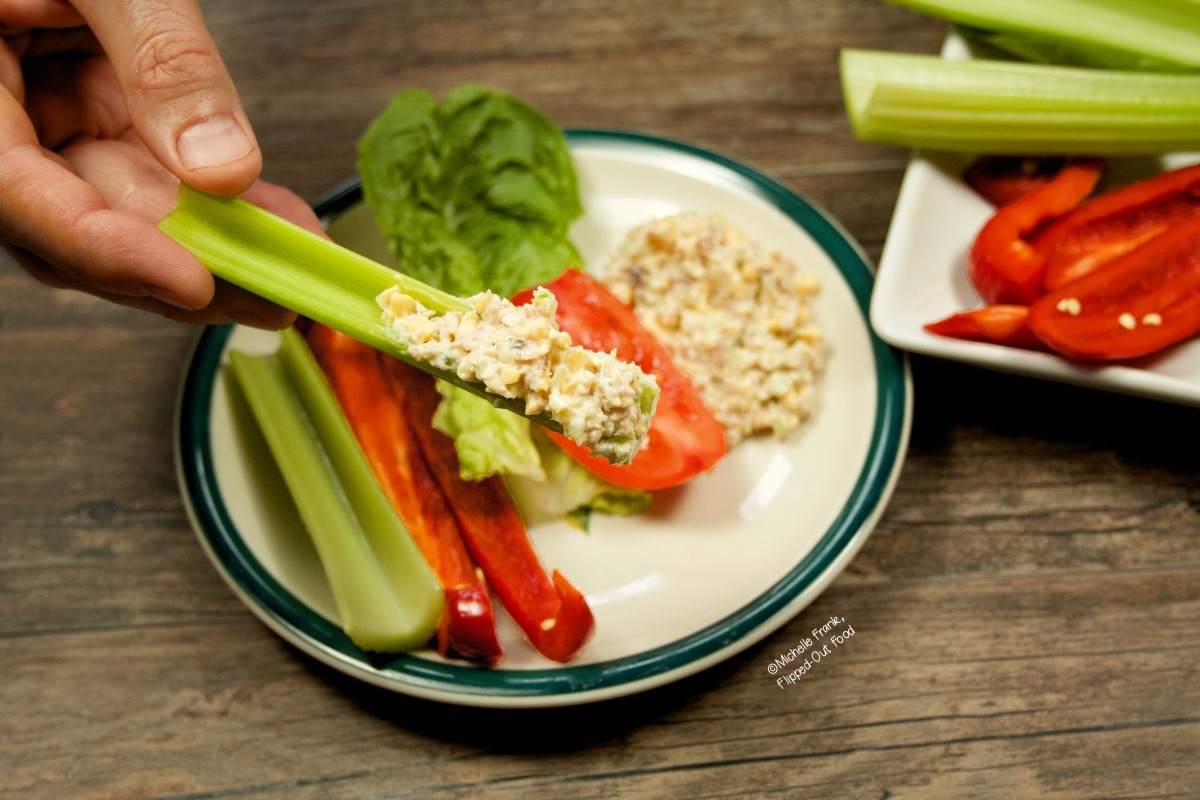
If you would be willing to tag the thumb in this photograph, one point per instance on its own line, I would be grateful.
(181, 100)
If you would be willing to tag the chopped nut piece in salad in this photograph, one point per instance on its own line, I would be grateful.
(518, 352)
(735, 316)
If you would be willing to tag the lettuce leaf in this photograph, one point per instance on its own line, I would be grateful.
(475, 193)
(569, 490)
(488, 443)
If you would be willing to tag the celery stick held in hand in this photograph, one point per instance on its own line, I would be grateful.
(327, 283)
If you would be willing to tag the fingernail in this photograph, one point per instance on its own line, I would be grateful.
(213, 143)
(166, 296)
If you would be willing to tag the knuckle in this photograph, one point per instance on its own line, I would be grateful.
(171, 61)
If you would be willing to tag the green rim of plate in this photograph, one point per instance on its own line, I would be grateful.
(464, 683)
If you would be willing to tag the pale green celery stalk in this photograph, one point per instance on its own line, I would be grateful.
(387, 596)
(1003, 107)
(273, 258)
(330, 284)
(1129, 34)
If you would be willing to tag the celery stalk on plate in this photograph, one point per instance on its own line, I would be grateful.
(1120, 34)
(330, 284)
(1004, 107)
(386, 595)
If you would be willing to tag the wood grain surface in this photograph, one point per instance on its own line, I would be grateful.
(1027, 612)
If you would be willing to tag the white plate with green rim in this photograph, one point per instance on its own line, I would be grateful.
(715, 567)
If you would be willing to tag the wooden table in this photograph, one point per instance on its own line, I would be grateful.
(1027, 611)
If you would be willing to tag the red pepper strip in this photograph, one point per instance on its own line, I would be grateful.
(685, 437)
(1002, 265)
(363, 386)
(1113, 223)
(553, 614)
(467, 629)
(1004, 179)
(1144, 301)
(1000, 324)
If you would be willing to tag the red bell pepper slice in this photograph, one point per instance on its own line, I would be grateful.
(685, 438)
(367, 393)
(1113, 223)
(1004, 179)
(1002, 265)
(554, 616)
(1139, 303)
(999, 324)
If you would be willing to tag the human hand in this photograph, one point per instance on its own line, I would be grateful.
(105, 106)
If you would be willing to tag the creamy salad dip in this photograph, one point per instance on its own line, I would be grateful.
(518, 352)
(735, 316)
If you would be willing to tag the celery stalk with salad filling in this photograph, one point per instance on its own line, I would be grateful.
(387, 597)
(319, 279)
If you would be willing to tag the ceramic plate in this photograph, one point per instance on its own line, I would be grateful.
(715, 567)
(922, 279)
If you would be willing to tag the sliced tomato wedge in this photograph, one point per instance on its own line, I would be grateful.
(685, 437)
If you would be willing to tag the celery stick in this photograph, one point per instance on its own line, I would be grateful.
(1127, 34)
(1049, 50)
(386, 595)
(330, 284)
(295, 268)
(1004, 107)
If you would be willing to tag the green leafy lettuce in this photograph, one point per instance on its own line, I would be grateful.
(569, 490)
(475, 193)
(487, 443)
